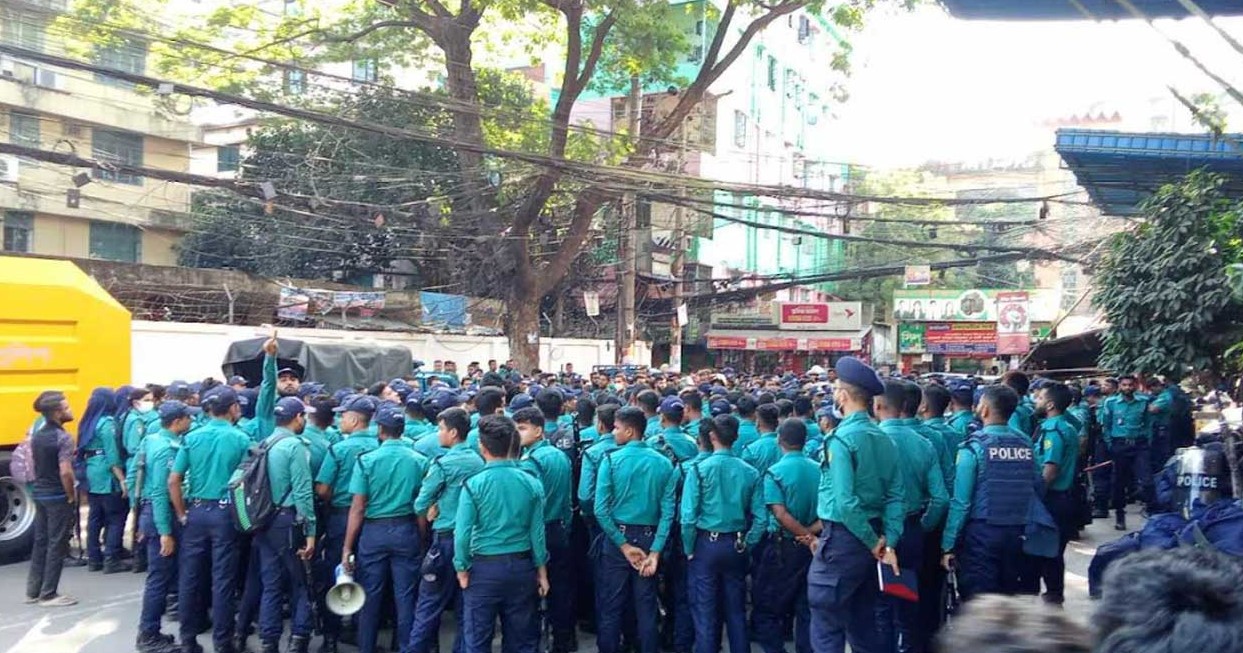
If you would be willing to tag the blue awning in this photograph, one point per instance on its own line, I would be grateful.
(1121, 169)
(1082, 9)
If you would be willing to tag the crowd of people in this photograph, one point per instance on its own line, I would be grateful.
(657, 510)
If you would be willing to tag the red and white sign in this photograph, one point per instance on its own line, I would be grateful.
(819, 316)
(776, 344)
(1013, 323)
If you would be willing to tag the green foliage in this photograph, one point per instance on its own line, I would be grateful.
(1161, 285)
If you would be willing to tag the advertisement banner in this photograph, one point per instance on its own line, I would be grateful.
(917, 275)
(961, 338)
(1013, 323)
(970, 305)
(911, 338)
(830, 316)
(726, 342)
(833, 344)
(776, 344)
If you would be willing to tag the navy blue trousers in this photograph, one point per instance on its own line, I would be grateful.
(842, 592)
(280, 567)
(897, 621)
(161, 573)
(438, 590)
(208, 557)
(779, 591)
(990, 560)
(329, 557)
(106, 521)
(1061, 505)
(388, 556)
(716, 583)
(561, 586)
(1131, 465)
(675, 596)
(620, 590)
(503, 587)
(252, 585)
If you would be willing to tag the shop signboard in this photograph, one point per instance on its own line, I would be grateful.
(775, 344)
(911, 338)
(819, 316)
(961, 338)
(970, 305)
(1013, 323)
(726, 342)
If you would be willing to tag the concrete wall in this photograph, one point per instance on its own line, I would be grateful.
(165, 351)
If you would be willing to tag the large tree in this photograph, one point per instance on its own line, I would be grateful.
(544, 223)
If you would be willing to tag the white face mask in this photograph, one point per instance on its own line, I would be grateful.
(146, 406)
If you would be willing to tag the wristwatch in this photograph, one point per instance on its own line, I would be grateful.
(183, 519)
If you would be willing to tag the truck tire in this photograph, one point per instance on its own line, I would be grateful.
(17, 516)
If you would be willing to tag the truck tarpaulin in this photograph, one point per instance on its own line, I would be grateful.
(335, 364)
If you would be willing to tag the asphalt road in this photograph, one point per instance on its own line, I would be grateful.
(105, 619)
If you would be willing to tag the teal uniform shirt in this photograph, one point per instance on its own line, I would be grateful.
(416, 428)
(859, 481)
(691, 427)
(591, 463)
(474, 420)
(792, 482)
(1059, 444)
(158, 451)
(390, 477)
(338, 467)
(653, 426)
(1082, 416)
(564, 420)
(1024, 418)
(722, 494)
(813, 428)
(945, 441)
(959, 422)
(964, 489)
(501, 511)
(103, 455)
(1164, 404)
(748, 432)
(209, 457)
(673, 443)
(923, 485)
(289, 472)
(636, 487)
(1123, 419)
(264, 422)
(428, 444)
(553, 469)
(317, 443)
(763, 453)
(443, 485)
(134, 427)
(588, 434)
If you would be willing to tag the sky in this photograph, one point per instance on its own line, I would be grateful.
(927, 86)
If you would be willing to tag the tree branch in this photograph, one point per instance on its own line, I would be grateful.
(580, 227)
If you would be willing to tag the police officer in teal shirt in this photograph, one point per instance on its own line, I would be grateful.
(281, 558)
(722, 516)
(603, 444)
(764, 452)
(499, 549)
(207, 460)
(438, 502)
(1126, 426)
(936, 429)
(669, 438)
(961, 415)
(491, 401)
(692, 413)
(649, 401)
(160, 530)
(634, 497)
(384, 485)
(748, 428)
(862, 506)
(805, 410)
(105, 477)
(1057, 452)
(1024, 418)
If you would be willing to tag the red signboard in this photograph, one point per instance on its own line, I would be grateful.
(726, 342)
(962, 338)
(776, 344)
(804, 313)
(833, 344)
(810, 316)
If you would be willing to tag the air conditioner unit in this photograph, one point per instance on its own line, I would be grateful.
(7, 67)
(47, 79)
(8, 168)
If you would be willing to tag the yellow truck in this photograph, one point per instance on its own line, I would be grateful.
(59, 330)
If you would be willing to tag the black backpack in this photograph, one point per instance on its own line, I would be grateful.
(250, 488)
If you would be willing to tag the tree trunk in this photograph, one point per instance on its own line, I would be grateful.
(522, 328)
(467, 125)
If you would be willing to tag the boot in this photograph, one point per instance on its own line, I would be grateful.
(156, 643)
(270, 646)
(94, 566)
(140, 566)
(239, 644)
(1100, 513)
(329, 645)
(299, 644)
(1120, 523)
(191, 647)
(115, 566)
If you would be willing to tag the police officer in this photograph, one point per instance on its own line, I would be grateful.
(552, 468)
(649, 401)
(748, 429)
(862, 506)
(499, 549)
(605, 442)
(764, 452)
(104, 482)
(669, 438)
(926, 502)
(635, 499)
(332, 484)
(384, 485)
(1126, 426)
(935, 399)
(805, 410)
(1057, 451)
(720, 497)
(1024, 418)
(694, 412)
(207, 460)
(994, 485)
(160, 531)
(962, 399)
(779, 580)
(438, 501)
(490, 401)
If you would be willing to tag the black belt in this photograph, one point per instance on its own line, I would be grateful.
(387, 520)
(1127, 440)
(445, 532)
(624, 528)
(339, 510)
(197, 503)
(500, 557)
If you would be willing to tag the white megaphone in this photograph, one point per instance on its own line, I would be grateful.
(346, 597)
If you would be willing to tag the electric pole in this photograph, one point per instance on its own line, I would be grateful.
(626, 257)
(678, 265)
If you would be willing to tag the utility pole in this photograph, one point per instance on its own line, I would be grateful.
(678, 266)
(625, 243)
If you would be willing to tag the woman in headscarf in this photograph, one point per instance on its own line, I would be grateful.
(103, 476)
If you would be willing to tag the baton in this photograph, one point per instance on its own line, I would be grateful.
(1099, 466)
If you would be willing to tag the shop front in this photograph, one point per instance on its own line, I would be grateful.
(759, 351)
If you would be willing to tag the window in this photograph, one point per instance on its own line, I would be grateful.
(23, 129)
(228, 158)
(22, 29)
(117, 147)
(740, 129)
(295, 82)
(19, 229)
(128, 57)
(366, 70)
(292, 8)
(113, 241)
(772, 73)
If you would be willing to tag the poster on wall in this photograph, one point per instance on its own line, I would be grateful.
(911, 338)
(917, 275)
(961, 338)
(1013, 323)
(829, 316)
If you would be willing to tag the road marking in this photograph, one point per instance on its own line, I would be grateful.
(36, 640)
(93, 608)
(1083, 550)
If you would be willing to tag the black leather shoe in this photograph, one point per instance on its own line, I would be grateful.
(156, 643)
(299, 644)
(116, 566)
(329, 645)
(140, 566)
(94, 566)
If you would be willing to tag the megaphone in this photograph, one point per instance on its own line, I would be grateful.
(346, 597)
